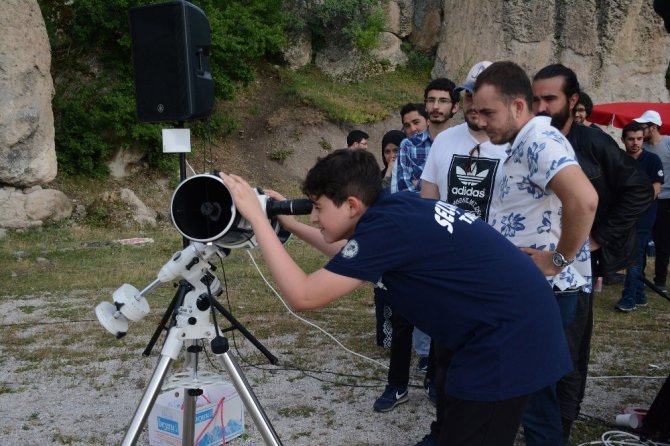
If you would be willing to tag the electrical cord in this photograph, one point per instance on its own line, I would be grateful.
(291, 367)
(616, 438)
(374, 361)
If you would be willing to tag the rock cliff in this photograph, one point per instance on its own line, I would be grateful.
(618, 48)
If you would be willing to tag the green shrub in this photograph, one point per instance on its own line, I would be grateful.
(280, 154)
(366, 35)
(357, 21)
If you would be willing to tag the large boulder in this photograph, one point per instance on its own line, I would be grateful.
(427, 22)
(297, 52)
(619, 49)
(399, 15)
(346, 64)
(27, 150)
(32, 206)
(121, 209)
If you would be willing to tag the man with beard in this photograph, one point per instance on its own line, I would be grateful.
(441, 101)
(658, 144)
(461, 169)
(624, 193)
(462, 163)
(441, 104)
(543, 203)
(633, 295)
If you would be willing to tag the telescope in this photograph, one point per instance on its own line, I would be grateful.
(202, 210)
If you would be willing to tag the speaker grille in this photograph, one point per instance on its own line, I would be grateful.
(170, 46)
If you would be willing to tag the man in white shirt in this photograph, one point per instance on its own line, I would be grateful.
(461, 169)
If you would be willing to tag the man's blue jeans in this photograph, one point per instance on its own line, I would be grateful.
(633, 288)
(542, 418)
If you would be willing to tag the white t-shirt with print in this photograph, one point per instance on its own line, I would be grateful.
(464, 176)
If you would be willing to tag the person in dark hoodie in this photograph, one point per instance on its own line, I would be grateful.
(390, 144)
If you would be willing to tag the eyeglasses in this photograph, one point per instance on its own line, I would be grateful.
(441, 101)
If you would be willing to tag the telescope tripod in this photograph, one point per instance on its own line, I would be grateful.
(190, 310)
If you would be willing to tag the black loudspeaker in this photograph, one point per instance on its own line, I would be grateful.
(170, 46)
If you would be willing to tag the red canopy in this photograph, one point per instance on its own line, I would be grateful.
(619, 114)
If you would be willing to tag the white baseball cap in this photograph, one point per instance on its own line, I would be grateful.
(469, 83)
(650, 116)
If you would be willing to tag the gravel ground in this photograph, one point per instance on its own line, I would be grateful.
(88, 398)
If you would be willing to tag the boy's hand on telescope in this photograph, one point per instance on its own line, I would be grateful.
(274, 195)
(244, 197)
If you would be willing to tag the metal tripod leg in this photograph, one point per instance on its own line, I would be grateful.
(249, 399)
(147, 402)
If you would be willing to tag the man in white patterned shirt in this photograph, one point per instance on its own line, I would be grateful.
(543, 203)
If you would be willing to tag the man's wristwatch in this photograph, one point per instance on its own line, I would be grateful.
(559, 260)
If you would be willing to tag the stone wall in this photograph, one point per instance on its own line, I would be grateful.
(619, 48)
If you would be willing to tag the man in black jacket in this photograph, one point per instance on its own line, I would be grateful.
(624, 193)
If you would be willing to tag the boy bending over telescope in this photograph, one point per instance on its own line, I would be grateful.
(472, 290)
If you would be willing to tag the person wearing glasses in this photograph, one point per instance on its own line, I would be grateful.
(441, 101)
(461, 169)
(583, 110)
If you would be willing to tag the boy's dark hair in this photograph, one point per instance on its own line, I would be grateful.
(632, 126)
(586, 101)
(342, 174)
(356, 136)
(412, 106)
(509, 79)
(570, 82)
(443, 84)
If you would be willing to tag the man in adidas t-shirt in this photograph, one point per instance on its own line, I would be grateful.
(463, 163)
(461, 169)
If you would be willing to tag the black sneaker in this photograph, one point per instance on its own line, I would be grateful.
(422, 366)
(391, 397)
(626, 305)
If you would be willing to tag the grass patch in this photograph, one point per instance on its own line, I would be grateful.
(280, 154)
(356, 103)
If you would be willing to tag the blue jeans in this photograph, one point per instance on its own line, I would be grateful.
(421, 342)
(542, 418)
(633, 287)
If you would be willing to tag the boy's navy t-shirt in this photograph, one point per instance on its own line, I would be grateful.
(465, 285)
